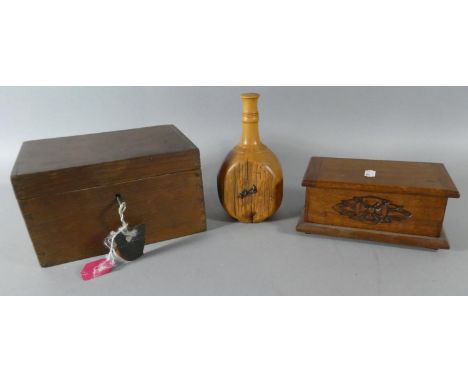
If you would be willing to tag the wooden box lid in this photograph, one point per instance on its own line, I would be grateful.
(390, 177)
(58, 165)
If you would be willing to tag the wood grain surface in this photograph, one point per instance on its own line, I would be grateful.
(419, 178)
(243, 175)
(430, 242)
(250, 180)
(70, 210)
(427, 212)
(60, 165)
(404, 203)
(73, 225)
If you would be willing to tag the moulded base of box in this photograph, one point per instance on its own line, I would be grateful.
(440, 242)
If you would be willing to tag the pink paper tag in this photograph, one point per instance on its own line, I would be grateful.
(96, 268)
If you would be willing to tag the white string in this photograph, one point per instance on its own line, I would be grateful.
(110, 239)
(122, 208)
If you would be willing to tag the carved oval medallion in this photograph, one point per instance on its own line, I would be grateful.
(372, 209)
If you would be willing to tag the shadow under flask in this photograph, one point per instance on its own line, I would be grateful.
(250, 181)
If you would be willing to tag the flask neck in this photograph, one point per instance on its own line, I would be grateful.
(250, 133)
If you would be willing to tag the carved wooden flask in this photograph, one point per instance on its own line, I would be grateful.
(250, 181)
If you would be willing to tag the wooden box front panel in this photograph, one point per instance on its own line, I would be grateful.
(408, 214)
(73, 225)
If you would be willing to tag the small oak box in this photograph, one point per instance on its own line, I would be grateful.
(66, 189)
(389, 201)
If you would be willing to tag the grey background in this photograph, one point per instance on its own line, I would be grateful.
(417, 124)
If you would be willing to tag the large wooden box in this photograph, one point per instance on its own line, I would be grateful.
(66, 189)
(389, 201)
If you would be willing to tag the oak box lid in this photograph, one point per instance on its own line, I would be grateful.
(58, 165)
(390, 176)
